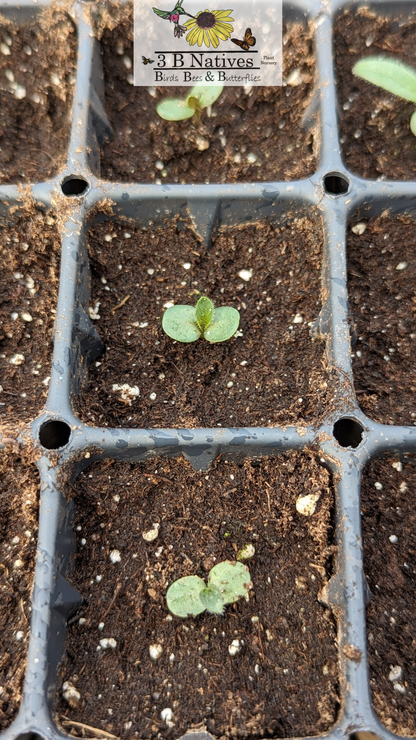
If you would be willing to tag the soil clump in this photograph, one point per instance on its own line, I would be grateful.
(374, 125)
(254, 134)
(389, 540)
(382, 296)
(19, 487)
(29, 277)
(283, 680)
(272, 373)
(37, 75)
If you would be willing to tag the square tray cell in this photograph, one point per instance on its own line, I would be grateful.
(374, 125)
(18, 529)
(254, 133)
(272, 373)
(388, 522)
(29, 277)
(382, 295)
(37, 66)
(283, 679)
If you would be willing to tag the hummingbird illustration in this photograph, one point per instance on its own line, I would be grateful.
(173, 16)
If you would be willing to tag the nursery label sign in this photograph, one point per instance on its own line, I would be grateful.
(235, 43)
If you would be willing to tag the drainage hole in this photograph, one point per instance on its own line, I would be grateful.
(336, 184)
(54, 434)
(73, 185)
(348, 432)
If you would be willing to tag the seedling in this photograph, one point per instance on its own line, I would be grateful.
(227, 583)
(392, 75)
(188, 323)
(200, 97)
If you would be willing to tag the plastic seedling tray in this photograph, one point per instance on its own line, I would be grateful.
(346, 441)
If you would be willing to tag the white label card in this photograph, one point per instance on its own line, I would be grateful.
(229, 43)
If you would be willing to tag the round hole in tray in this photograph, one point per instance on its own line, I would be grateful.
(54, 434)
(336, 184)
(74, 185)
(348, 432)
(364, 735)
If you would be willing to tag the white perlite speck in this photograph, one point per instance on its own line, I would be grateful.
(397, 466)
(17, 359)
(251, 158)
(378, 486)
(394, 539)
(25, 316)
(234, 648)
(129, 393)
(298, 319)
(115, 556)
(70, 694)
(396, 672)
(155, 651)
(306, 505)
(167, 714)
(245, 275)
(19, 636)
(401, 266)
(108, 642)
(151, 534)
(19, 92)
(359, 228)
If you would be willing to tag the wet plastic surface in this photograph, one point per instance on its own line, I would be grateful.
(346, 442)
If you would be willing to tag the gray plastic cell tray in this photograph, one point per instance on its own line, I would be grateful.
(357, 439)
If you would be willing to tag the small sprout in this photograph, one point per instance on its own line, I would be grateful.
(392, 75)
(188, 323)
(179, 109)
(227, 583)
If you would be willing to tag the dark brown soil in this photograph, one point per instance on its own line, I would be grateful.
(272, 374)
(383, 303)
(283, 682)
(18, 529)
(374, 125)
(266, 122)
(37, 75)
(29, 275)
(390, 566)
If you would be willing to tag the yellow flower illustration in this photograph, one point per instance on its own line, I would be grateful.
(209, 27)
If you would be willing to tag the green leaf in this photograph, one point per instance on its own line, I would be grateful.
(224, 324)
(207, 94)
(390, 74)
(174, 109)
(212, 600)
(184, 596)
(179, 323)
(231, 579)
(204, 311)
(413, 123)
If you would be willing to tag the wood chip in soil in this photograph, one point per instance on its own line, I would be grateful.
(273, 374)
(382, 295)
(29, 277)
(374, 125)
(284, 680)
(254, 134)
(389, 540)
(19, 486)
(37, 75)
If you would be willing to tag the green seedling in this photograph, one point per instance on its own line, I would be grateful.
(200, 97)
(188, 323)
(392, 75)
(227, 583)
